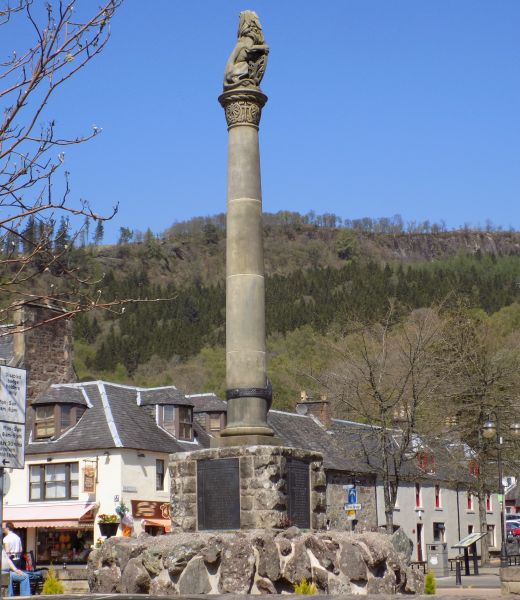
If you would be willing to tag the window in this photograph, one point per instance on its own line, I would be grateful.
(474, 469)
(185, 423)
(177, 420)
(159, 474)
(438, 532)
(44, 422)
(470, 501)
(437, 496)
(168, 418)
(418, 499)
(491, 535)
(489, 507)
(52, 420)
(426, 462)
(215, 421)
(54, 482)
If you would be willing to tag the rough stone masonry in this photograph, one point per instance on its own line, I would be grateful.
(253, 562)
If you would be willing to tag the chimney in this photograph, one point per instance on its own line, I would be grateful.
(319, 409)
(44, 350)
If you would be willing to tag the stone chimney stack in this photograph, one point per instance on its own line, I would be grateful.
(319, 409)
(45, 350)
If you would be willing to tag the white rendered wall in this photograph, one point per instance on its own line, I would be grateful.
(407, 516)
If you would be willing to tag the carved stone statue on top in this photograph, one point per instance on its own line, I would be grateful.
(246, 65)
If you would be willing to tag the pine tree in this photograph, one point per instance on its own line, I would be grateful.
(99, 233)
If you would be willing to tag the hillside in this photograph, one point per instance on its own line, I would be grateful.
(318, 279)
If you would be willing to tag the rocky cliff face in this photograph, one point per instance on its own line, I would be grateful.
(254, 562)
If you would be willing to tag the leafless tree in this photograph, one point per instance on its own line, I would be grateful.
(35, 265)
(386, 376)
(484, 379)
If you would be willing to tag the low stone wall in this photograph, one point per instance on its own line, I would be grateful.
(252, 562)
(510, 581)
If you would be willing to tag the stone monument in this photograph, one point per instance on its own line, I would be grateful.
(249, 479)
(248, 390)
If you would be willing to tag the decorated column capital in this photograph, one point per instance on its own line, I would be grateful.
(243, 106)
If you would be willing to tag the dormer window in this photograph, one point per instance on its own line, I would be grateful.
(185, 423)
(168, 418)
(216, 421)
(44, 422)
(177, 420)
(51, 420)
(426, 462)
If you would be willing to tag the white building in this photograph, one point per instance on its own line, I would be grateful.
(91, 446)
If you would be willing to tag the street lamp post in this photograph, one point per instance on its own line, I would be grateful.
(490, 430)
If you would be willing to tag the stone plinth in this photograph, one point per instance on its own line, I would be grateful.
(253, 562)
(271, 487)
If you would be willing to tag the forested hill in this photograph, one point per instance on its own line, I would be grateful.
(319, 278)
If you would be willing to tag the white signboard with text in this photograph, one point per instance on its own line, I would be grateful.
(12, 417)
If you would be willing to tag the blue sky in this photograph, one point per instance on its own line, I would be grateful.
(375, 108)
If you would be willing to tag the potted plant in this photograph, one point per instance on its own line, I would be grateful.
(108, 524)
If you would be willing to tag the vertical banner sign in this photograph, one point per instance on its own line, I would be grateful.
(12, 417)
(89, 477)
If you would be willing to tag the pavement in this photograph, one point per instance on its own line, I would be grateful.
(484, 585)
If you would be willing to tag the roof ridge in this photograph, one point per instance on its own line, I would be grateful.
(109, 416)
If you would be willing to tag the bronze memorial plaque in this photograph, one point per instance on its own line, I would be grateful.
(298, 509)
(218, 494)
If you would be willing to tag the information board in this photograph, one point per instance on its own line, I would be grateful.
(12, 417)
(12, 395)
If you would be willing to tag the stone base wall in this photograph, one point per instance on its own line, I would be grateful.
(366, 518)
(252, 562)
(263, 485)
(510, 581)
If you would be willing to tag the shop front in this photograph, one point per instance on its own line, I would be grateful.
(61, 533)
(155, 516)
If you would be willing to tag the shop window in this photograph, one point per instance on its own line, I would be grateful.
(418, 499)
(185, 423)
(54, 482)
(53, 420)
(167, 420)
(63, 545)
(159, 474)
(438, 532)
(215, 421)
(438, 496)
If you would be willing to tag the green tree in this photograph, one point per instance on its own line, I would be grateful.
(99, 233)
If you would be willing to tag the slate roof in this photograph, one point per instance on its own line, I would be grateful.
(163, 395)
(302, 431)
(113, 420)
(62, 395)
(209, 402)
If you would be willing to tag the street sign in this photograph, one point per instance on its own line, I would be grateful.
(351, 515)
(12, 438)
(12, 395)
(351, 491)
(352, 506)
(12, 417)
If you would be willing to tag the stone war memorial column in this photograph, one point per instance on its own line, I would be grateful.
(248, 390)
(248, 479)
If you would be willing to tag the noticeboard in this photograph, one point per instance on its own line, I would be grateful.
(469, 540)
(12, 417)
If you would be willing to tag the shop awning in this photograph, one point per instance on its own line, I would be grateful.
(166, 523)
(54, 514)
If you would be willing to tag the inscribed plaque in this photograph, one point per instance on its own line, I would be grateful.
(218, 494)
(298, 496)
